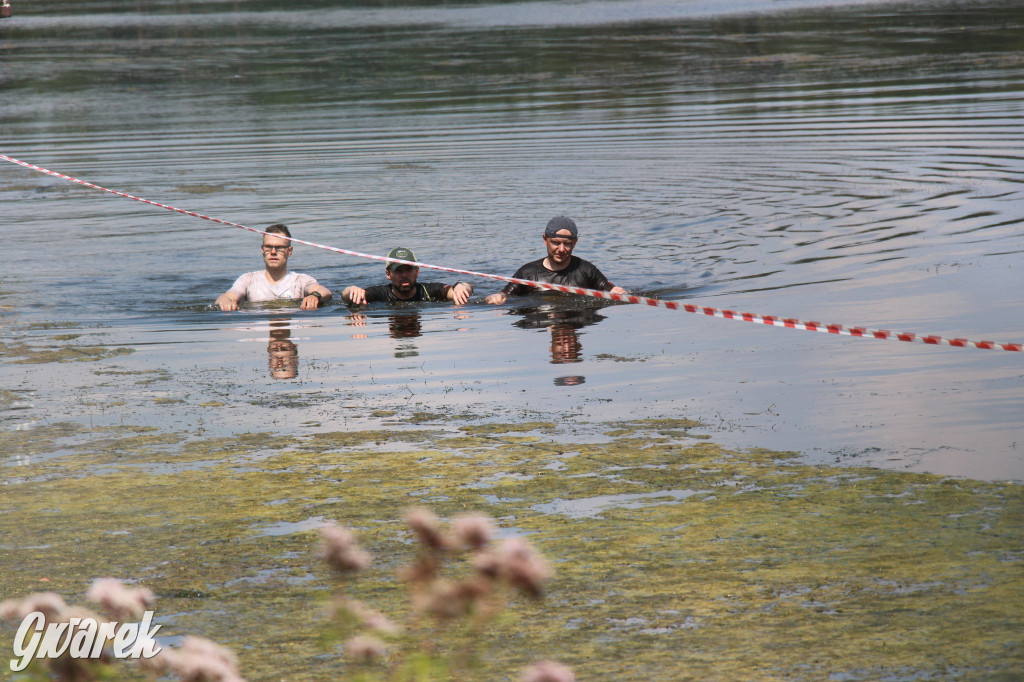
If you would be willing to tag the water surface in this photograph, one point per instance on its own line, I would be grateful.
(852, 163)
(857, 163)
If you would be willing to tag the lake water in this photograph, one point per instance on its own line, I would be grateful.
(855, 163)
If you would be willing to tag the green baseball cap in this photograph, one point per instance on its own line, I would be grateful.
(401, 253)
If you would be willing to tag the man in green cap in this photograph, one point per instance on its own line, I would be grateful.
(404, 287)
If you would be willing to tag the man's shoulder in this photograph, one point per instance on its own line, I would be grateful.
(532, 266)
(436, 291)
(378, 292)
(577, 262)
(247, 278)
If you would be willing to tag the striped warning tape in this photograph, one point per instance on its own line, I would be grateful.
(769, 320)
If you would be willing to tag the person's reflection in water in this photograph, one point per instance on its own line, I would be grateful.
(282, 353)
(405, 325)
(566, 347)
(565, 341)
(565, 344)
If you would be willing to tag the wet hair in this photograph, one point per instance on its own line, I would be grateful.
(279, 228)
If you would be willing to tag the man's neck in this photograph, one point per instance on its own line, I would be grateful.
(275, 275)
(398, 294)
(555, 268)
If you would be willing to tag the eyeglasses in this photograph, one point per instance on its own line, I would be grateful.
(267, 248)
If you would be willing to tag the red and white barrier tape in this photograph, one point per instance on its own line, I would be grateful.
(671, 305)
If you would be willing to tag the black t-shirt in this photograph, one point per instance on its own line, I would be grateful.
(425, 291)
(579, 273)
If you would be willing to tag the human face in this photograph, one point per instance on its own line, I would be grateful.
(276, 250)
(403, 279)
(560, 248)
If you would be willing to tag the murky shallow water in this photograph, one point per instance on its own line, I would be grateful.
(850, 163)
(856, 163)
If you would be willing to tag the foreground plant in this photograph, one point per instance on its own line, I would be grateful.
(56, 640)
(459, 582)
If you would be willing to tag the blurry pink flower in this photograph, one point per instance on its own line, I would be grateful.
(50, 604)
(200, 660)
(120, 602)
(488, 564)
(547, 671)
(473, 530)
(446, 599)
(367, 616)
(441, 600)
(160, 663)
(81, 613)
(11, 610)
(365, 648)
(426, 526)
(339, 548)
(422, 570)
(519, 564)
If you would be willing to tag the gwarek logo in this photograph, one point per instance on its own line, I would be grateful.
(82, 638)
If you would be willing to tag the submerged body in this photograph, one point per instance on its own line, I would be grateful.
(559, 266)
(275, 281)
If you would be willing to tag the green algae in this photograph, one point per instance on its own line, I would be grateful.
(674, 558)
(482, 429)
(41, 439)
(618, 358)
(23, 353)
(8, 398)
(54, 324)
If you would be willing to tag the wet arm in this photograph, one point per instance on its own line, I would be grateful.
(612, 289)
(510, 289)
(354, 295)
(309, 302)
(228, 301)
(459, 292)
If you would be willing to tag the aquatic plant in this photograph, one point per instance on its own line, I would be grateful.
(458, 583)
(82, 649)
(754, 564)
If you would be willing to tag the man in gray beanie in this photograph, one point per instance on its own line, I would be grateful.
(559, 266)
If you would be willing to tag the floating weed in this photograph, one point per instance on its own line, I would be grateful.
(618, 358)
(55, 324)
(9, 399)
(698, 563)
(23, 353)
(36, 440)
(494, 429)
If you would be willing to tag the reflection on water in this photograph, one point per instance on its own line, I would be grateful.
(562, 320)
(282, 353)
(565, 344)
(404, 326)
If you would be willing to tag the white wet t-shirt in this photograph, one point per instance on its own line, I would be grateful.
(255, 286)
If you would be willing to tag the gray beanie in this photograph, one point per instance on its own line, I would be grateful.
(560, 223)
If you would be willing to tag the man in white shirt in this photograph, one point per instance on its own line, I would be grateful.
(276, 281)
